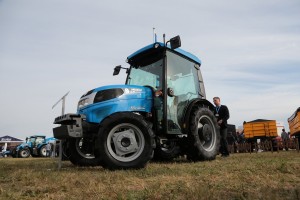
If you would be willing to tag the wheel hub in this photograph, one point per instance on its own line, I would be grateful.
(125, 142)
(207, 133)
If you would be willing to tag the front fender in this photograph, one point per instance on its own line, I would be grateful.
(21, 146)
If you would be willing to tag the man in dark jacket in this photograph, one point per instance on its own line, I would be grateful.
(222, 114)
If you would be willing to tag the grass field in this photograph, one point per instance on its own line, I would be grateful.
(263, 175)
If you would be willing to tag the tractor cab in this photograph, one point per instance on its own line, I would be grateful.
(35, 141)
(175, 78)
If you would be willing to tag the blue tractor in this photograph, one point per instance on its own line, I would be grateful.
(35, 146)
(160, 112)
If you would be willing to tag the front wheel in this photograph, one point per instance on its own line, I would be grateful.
(125, 141)
(81, 152)
(204, 135)
(24, 153)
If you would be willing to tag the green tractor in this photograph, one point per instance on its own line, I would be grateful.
(160, 113)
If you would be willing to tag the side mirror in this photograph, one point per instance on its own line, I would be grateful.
(175, 42)
(117, 70)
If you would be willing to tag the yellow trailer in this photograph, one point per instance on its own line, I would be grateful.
(294, 123)
(260, 129)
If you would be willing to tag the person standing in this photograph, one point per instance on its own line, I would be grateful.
(48, 149)
(221, 112)
(285, 139)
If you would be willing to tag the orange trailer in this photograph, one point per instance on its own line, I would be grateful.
(294, 123)
(260, 129)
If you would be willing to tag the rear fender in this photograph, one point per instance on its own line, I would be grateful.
(39, 146)
(196, 102)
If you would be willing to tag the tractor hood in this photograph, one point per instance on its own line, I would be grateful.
(103, 101)
(22, 146)
(111, 92)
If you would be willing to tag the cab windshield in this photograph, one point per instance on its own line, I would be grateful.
(148, 75)
(37, 140)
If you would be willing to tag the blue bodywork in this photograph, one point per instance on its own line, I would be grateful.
(51, 139)
(5, 153)
(134, 99)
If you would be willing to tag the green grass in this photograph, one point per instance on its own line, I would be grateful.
(241, 176)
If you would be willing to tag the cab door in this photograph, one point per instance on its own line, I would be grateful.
(182, 86)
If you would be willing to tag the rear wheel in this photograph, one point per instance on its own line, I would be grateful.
(166, 150)
(43, 151)
(204, 135)
(14, 153)
(65, 150)
(125, 141)
(81, 152)
(24, 153)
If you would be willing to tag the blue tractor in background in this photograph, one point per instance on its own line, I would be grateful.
(160, 112)
(35, 146)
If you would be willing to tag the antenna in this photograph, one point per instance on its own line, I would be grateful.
(154, 36)
(63, 99)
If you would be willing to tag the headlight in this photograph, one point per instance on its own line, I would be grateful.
(86, 99)
(83, 102)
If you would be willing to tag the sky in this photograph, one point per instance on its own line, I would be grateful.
(250, 53)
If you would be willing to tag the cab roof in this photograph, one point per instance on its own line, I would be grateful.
(158, 46)
(36, 136)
